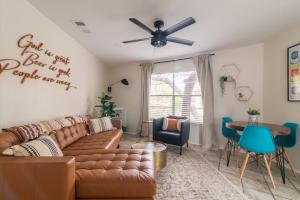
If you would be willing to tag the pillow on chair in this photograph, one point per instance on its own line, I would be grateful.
(171, 124)
(100, 124)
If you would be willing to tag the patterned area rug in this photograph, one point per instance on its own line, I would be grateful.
(192, 177)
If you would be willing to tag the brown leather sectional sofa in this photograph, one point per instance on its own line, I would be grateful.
(92, 168)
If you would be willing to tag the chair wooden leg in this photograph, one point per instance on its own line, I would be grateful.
(244, 165)
(270, 160)
(221, 154)
(290, 163)
(269, 171)
(180, 150)
(187, 145)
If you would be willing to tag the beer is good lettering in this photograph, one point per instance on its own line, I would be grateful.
(31, 64)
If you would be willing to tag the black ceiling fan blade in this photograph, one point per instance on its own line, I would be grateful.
(137, 40)
(140, 24)
(180, 25)
(180, 41)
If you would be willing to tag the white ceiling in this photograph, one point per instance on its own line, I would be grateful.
(219, 24)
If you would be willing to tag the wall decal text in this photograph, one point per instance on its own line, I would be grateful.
(35, 63)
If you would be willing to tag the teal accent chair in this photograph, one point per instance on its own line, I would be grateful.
(288, 141)
(229, 133)
(232, 137)
(258, 142)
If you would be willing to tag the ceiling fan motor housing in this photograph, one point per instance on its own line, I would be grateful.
(159, 39)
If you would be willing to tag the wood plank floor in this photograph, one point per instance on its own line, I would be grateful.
(254, 185)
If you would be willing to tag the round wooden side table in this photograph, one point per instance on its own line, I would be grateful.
(159, 152)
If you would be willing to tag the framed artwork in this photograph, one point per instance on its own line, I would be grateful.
(293, 66)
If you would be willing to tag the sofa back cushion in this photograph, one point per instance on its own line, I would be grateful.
(42, 146)
(69, 135)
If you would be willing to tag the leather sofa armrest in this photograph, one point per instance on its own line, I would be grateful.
(37, 178)
(117, 123)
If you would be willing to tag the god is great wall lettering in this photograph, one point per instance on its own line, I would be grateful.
(31, 65)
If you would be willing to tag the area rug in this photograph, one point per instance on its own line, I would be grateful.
(191, 177)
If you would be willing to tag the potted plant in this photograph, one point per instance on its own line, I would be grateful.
(107, 107)
(253, 114)
(226, 79)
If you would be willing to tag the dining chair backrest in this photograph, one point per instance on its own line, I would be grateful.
(228, 132)
(257, 139)
(288, 140)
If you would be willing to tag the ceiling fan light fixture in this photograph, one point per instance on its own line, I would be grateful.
(158, 43)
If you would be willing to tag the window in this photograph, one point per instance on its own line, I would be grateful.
(176, 93)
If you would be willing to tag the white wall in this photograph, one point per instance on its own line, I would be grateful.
(36, 99)
(128, 97)
(276, 107)
(250, 61)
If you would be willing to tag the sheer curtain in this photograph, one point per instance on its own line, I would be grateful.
(146, 71)
(207, 135)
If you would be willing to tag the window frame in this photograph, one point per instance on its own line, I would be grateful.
(173, 95)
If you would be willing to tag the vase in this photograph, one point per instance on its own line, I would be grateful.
(253, 118)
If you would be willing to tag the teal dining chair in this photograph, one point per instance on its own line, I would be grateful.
(232, 137)
(288, 141)
(258, 142)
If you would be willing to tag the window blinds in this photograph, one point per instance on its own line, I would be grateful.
(176, 92)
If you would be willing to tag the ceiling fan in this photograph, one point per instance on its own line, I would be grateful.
(159, 37)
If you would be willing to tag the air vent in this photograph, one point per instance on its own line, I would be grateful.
(80, 23)
(86, 31)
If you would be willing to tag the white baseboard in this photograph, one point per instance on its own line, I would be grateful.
(194, 143)
(132, 133)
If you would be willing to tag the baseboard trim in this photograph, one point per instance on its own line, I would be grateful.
(131, 133)
(194, 143)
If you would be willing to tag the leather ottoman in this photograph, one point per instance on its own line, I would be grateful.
(115, 174)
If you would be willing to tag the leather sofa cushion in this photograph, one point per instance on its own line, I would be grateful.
(90, 143)
(68, 135)
(115, 174)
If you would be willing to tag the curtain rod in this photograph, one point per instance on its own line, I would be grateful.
(212, 54)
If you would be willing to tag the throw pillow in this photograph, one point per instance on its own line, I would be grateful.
(42, 146)
(63, 122)
(77, 119)
(172, 125)
(27, 132)
(51, 125)
(98, 125)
